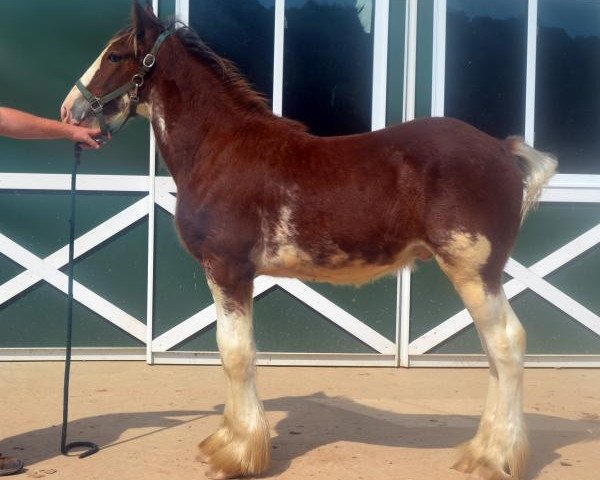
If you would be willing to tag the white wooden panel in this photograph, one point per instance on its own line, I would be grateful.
(81, 294)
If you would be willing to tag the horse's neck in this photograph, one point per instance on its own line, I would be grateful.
(192, 114)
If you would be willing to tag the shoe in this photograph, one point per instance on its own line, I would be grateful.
(10, 465)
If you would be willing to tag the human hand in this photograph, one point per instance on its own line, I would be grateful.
(85, 136)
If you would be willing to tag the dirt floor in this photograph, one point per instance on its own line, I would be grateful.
(327, 423)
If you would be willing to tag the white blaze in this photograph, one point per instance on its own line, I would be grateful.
(86, 78)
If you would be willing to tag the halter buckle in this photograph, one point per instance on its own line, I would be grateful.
(149, 60)
(96, 105)
(137, 80)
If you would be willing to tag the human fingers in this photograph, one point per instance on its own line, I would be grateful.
(80, 135)
(87, 140)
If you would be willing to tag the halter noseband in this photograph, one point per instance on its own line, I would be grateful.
(96, 104)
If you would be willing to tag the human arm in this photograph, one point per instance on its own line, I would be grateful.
(21, 125)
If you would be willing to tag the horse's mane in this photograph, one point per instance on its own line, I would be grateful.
(225, 70)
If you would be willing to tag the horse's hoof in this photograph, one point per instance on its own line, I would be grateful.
(476, 460)
(217, 474)
(469, 456)
(488, 473)
(202, 457)
(236, 454)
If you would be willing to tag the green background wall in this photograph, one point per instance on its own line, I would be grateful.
(44, 48)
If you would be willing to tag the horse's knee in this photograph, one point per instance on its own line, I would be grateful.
(236, 343)
(237, 356)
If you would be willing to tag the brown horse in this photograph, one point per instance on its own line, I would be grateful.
(257, 195)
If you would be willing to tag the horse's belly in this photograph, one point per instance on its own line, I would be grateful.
(338, 267)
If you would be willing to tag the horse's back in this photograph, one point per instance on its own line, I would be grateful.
(428, 174)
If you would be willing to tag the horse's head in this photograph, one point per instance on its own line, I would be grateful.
(111, 89)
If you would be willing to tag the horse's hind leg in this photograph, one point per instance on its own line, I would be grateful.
(499, 449)
(242, 445)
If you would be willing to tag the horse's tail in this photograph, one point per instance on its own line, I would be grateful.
(536, 167)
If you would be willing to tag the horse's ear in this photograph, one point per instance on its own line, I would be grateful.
(142, 17)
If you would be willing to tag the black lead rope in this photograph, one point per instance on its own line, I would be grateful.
(64, 447)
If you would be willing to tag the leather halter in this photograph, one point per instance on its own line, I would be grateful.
(96, 104)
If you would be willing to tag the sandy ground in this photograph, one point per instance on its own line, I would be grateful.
(327, 423)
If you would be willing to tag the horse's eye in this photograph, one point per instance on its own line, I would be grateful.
(114, 58)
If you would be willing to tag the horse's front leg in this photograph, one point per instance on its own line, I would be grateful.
(242, 445)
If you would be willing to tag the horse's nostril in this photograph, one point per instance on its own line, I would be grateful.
(78, 111)
(64, 114)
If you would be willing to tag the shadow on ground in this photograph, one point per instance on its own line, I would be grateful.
(311, 422)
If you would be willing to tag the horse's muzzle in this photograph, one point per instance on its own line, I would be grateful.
(74, 108)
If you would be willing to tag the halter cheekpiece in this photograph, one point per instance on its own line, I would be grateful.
(96, 104)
